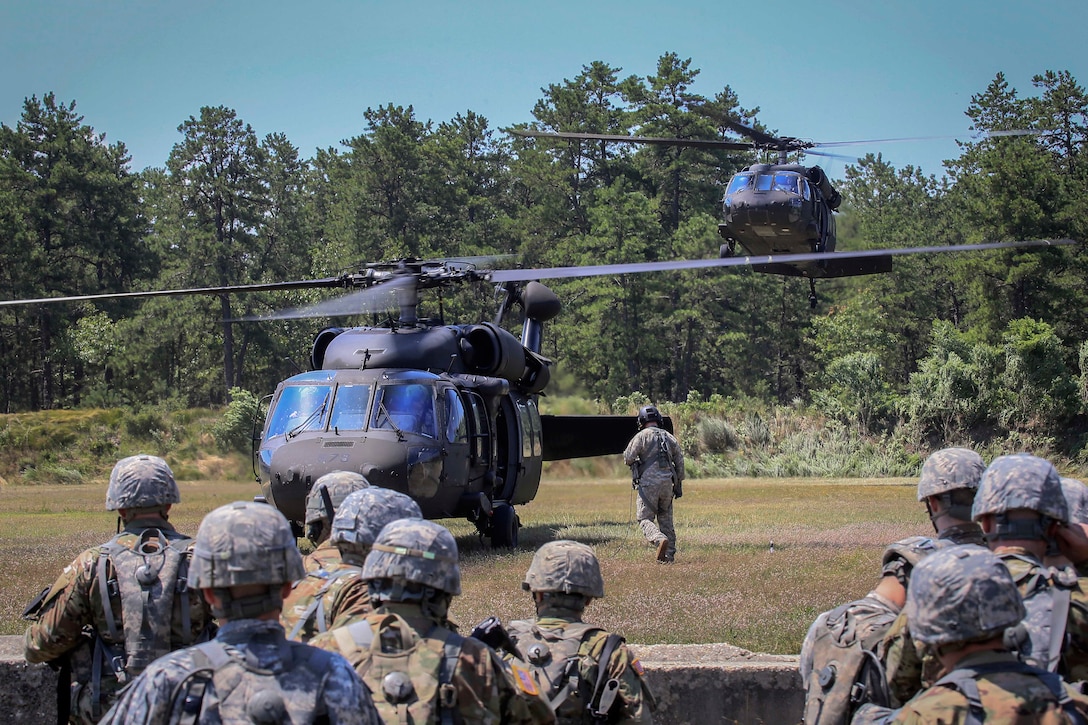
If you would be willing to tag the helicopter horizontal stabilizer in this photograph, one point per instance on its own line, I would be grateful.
(849, 267)
(584, 436)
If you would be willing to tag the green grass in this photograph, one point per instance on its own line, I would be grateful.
(727, 586)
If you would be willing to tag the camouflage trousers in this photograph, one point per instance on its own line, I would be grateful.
(654, 501)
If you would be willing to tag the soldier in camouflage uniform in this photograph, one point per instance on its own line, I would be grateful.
(244, 562)
(564, 578)
(120, 605)
(949, 480)
(867, 641)
(1076, 497)
(407, 652)
(1021, 507)
(959, 605)
(337, 595)
(322, 503)
(657, 469)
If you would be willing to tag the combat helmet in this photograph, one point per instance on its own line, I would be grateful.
(1020, 482)
(961, 593)
(141, 481)
(950, 469)
(337, 485)
(1076, 498)
(565, 567)
(245, 543)
(649, 414)
(411, 552)
(361, 517)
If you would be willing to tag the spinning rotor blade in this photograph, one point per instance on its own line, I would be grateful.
(378, 298)
(647, 140)
(271, 286)
(521, 275)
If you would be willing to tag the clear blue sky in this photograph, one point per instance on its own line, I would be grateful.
(829, 70)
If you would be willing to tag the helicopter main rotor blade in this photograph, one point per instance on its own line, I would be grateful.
(265, 287)
(522, 275)
(980, 136)
(378, 298)
(647, 140)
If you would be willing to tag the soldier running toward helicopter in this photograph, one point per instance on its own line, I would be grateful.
(657, 474)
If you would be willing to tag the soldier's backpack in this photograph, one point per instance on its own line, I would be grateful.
(224, 688)
(965, 680)
(1040, 638)
(552, 657)
(315, 610)
(409, 676)
(149, 583)
(847, 664)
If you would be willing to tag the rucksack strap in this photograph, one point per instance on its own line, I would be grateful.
(965, 681)
(104, 589)
(317, 606)
(605, 689)
(1059, 615)
(447, 693)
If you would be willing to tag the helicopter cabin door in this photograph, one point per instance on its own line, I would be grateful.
(519, 449)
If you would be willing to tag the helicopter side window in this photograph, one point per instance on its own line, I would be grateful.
(456, 424)
(299, 408)
(526, 430)
(349, 408)
(538, 432)
(764, 181)
(405, 408)
(739, 182)
(481, 431)
(786, 182)
(806, 190)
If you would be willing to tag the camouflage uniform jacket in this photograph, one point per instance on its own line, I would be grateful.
(484, 690)
(73, 615)
(907, 671)
(634, 703)
(1007, 697)
(315, 686)
(324, 599)
(323, 557)
(1029, 572)
(646, 447)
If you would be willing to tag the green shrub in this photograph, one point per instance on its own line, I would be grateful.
(234, 430)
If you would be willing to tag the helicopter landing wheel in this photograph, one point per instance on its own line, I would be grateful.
(727, 250)
(816, 246)
(504, 527)
(812, 298)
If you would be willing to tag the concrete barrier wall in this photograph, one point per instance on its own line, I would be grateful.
(712, 683)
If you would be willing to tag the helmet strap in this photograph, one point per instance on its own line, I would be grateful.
(1006, 528)
(231, 607)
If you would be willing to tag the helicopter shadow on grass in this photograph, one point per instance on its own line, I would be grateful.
(532, 537)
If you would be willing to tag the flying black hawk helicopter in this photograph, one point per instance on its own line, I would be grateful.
(781, 209)
(447, 414)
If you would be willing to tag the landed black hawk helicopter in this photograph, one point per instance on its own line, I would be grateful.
(447, 414)
(782, 209)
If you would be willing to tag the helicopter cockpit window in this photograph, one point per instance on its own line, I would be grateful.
(299, 408)
(405, 408)
(456, 423)
(764, 181)
(787, 182)
(739, 182)
(806, 190)
(350, 407)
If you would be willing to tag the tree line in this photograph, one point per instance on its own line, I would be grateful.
(947, 347)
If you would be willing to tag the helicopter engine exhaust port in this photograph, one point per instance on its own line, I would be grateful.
(490, 350)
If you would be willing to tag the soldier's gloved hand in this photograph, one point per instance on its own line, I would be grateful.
(678, 489)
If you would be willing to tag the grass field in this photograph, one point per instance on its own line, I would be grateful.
(727, 584)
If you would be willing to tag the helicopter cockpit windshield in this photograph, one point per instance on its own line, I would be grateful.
(300, 408)
(405, 408)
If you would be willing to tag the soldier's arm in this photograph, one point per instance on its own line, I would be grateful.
(519, 700)
(677, 458)
(633, 450)
(351, 603)
(347, 701)
(66, 611)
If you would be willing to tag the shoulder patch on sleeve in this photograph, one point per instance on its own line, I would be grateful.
(524, 680)
(636, 665)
